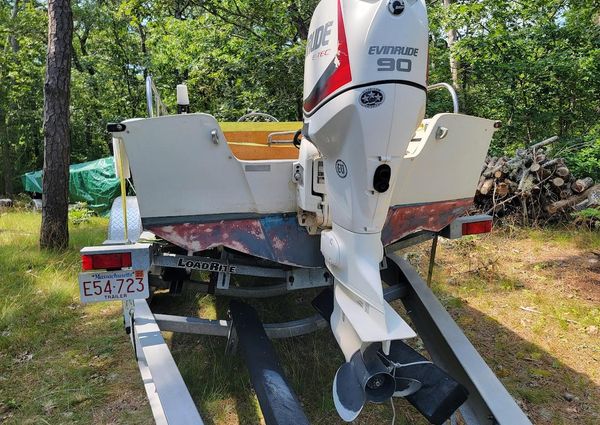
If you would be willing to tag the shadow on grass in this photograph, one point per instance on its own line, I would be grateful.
(536, 378)
(220, 384)
(221, 387)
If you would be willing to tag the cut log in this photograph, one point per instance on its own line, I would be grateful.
(487, 186)
(562, 171)
(535, 167)
(581, 206)
(528, 185)
(565, 194)
(502, 189)
(523, 176)
(552, 163)
(582, 185)
(491, 168)
(482, 179)
(592, 194)
(558, 182)
(544, 143)
(511, 184)
(544, 173)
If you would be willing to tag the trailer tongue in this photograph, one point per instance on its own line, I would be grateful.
(370, 176)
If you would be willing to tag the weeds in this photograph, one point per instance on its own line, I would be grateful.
(60, 362)
(79, 213)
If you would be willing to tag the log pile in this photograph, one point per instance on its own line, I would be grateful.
(533, 187)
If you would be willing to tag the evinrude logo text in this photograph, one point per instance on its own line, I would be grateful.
(318, 38)
(212, 266)
(371, 98)
(394, 50)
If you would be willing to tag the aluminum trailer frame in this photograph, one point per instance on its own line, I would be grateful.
(167, 393)
(488, 402)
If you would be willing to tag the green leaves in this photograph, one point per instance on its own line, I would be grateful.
(534, 65)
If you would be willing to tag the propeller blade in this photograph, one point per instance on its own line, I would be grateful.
(348, 394)
(406, 386)
(438, 395)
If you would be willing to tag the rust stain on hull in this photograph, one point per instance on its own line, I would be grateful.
(279, 238)
(403, 220)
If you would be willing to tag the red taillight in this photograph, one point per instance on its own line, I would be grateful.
(106, 261)
(477, 227)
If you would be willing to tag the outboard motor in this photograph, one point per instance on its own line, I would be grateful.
(364, 97)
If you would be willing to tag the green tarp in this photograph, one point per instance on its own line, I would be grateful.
(93, 182)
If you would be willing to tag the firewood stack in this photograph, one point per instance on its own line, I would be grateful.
(533, 186)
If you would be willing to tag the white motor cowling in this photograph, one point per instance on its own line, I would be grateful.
(364, 96)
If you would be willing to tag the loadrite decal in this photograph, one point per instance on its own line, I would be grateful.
(394, 50)
(211, 266)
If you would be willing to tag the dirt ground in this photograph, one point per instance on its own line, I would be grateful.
(529, 300)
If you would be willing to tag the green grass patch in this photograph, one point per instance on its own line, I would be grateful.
(60, 362)
(567, 236)
(63, 363)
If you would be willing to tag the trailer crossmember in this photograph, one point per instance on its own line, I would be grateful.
(488, 401)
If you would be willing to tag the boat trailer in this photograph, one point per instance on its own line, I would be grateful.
(488, 402)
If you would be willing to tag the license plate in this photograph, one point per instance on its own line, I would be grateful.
(113, 286)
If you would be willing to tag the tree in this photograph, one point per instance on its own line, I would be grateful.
(452, 36)
(55, 197)
(13, 44)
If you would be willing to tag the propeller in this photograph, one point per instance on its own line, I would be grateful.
(371, 375)
(364, 378)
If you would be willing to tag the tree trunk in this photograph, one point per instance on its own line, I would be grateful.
(5, 152)
(55, 198)
(452, 36)
(12, 40)
(591, 194)
(297, 21)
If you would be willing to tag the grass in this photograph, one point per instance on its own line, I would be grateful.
(528, 300)
(60, 362)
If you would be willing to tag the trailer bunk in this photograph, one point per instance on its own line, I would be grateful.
(488, 401)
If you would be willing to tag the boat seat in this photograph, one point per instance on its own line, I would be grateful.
(250, 140)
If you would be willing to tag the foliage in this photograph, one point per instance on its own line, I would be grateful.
(534, 65)
(589, 217)
(79, 213)
(589, 213)
(583, 155)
